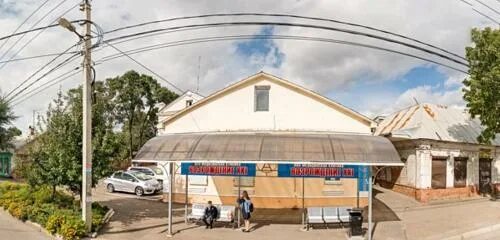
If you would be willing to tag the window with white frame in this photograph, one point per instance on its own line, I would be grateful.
(262, 98)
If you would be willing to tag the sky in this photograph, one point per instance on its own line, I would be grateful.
(370, 81)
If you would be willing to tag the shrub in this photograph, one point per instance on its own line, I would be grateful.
(72, 228)
(54, 222)
(58, 214)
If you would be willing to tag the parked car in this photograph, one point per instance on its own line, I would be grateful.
(153, 171)
(133, 182)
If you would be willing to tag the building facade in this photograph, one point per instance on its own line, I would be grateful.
(265, 105)
(443, 159)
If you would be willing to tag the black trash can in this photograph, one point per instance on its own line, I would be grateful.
(356, 222)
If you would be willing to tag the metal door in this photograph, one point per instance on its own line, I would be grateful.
(484, 175)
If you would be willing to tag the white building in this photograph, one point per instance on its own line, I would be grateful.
(442, 157)
(267, 120)
(183, 101)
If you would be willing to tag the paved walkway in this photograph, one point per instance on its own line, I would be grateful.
(396, 217)
(13, 229)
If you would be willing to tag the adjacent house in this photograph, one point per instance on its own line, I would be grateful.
(442, 156)
(267, 120)
(183, 101)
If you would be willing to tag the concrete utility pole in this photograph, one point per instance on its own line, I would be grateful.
(87, 122)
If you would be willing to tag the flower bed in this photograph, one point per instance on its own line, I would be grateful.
(59, 214)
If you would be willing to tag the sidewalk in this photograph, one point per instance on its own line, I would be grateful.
(13, 229)
(417, 221)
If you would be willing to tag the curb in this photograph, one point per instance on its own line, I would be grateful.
(107, 218)
(474, 232)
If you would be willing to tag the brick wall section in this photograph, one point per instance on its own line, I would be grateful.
(426, 195)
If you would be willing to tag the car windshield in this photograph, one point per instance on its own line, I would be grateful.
(141, 176)
(157, 170)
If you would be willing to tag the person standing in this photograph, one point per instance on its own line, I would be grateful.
(210, 215)
(246, 207)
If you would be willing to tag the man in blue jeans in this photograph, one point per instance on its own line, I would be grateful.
(210, 215)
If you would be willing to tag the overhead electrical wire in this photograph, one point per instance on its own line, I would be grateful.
(32, 26)
(45, 86)
(284, 37)
(37, 35)
(288, 16)
(223, 24)
(20, 25)
(487, 6)
(39, 70)
(36, 57)
(479, 12)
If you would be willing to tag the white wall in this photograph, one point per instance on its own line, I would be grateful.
(288, 111)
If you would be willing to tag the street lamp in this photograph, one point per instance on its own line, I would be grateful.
(87, 116)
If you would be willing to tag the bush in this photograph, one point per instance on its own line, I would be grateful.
(58, 214)
(72, 228)
(54, 222)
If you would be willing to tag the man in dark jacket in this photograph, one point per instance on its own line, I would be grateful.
(210, 215)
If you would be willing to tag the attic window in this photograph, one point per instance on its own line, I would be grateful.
(262, 98)
(189, 103)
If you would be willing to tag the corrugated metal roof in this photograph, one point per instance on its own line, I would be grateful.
(271, 147)
(430, 121)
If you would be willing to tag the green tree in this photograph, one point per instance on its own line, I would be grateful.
(482, 91)
(57, 155)
(7, 132)
(136, 98)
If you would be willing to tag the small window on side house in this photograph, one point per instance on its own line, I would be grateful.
(262, 98)
(189, 103)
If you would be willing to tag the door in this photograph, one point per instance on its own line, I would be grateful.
(128, 182)
(484, 175)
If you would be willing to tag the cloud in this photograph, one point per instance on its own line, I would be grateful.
(323, 67)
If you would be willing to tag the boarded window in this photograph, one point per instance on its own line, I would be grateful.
(438, 172)
(460, 172)
(262, 98)
(244, 181)
(198, 180)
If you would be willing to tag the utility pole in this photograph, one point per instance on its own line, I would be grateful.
(87, 122)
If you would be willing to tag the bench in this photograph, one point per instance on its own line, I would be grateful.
(197, 212)
(344, 215)
(331, 215)
(326, 215)
(225, 213)
(314, 216)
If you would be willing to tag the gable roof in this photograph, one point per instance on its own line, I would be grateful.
(431, 121)
(186, 93)
(282, 82)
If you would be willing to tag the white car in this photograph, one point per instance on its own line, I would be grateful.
(133, 182)
(153, 171)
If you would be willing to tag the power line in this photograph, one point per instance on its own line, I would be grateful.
(32, 26)
(36, 29)
(289, 16)
(282, 37)
(479, 12)
(36, 57)
(222, 38)
(40, 69)
(486, 16)
(145, 67)
(487, 6)
(38, 90)
(20, 25)
(38, 34)
(222, 24)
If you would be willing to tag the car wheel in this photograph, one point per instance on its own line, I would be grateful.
(110, 188)
(139, 191)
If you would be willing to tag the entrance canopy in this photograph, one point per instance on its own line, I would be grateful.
(307, 148)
